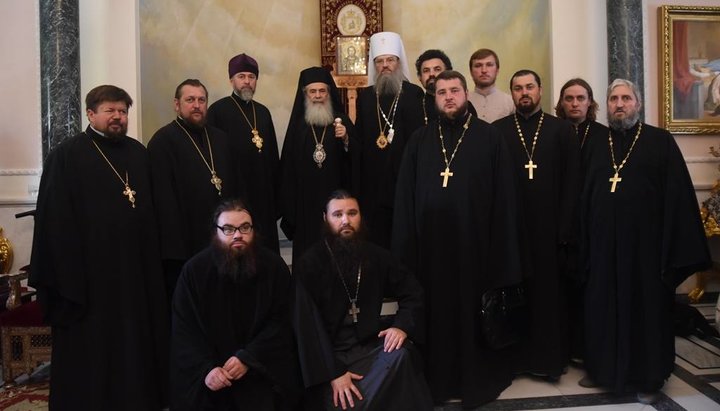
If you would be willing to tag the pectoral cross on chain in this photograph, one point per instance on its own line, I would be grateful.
(530, 166)
(353, 311)
(217, 182)
(446, 175)
(130, 193)
(614, 180)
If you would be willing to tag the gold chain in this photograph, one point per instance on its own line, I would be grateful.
(612, 150)
(447, 173)
(382, 141)
(129, 192)
(256, 139)
(582, 143)
(424, 109)
(215, 180)
(254, 123)
(530, 153)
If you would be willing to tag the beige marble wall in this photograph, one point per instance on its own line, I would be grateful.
(181, 39)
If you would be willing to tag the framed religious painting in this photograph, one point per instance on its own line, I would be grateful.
(352, 55)
(690, 69)
(350, 20)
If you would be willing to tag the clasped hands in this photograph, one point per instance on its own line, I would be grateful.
(343, 387)
(222, 377)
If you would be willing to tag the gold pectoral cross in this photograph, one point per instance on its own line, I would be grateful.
(257, 140)
(614, 180)
(130, 194)
(217, 182)
(446, 175)
(530, 166)
(353, 311)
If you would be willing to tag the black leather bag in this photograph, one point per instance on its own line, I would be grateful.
(503, 317)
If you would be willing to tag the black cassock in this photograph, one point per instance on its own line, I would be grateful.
(548, 205)
(305, 186)
(460, 240)
(214, 317)
(585, 131)
(330, 344)
(261, 168)
(640, 243)
(589, 130)
(96, 266)
(375, 170)
(184, 196)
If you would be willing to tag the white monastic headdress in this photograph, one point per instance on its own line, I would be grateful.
(386, 42)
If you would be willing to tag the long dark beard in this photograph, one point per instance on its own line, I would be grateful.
(347, 251)
(389, 84)
(237, 265)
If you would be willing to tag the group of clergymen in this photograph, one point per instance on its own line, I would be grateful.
(420, 200)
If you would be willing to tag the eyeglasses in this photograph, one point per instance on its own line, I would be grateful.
(388, 60)
(228, 229)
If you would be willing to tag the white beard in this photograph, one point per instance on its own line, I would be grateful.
(245, 94)
(318, 114)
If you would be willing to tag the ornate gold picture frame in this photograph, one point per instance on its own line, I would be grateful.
(352, 55)
(690, 69)
(354, 18)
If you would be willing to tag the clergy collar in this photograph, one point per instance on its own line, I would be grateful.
(521, 116)
(96, 132)
(191, 127)
(626, 131)
(456, 122)
(239, 99)
(486, 92)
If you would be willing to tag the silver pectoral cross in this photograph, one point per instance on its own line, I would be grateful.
(353, 311)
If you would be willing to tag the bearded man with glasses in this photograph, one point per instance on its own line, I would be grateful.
(231, 344)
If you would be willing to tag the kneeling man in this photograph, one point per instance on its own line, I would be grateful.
(232, 342)
(351, 356)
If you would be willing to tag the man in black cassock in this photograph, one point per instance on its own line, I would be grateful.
(428, 65)
(232, 346)
(96, 266)
(387, 113)
(250, 129)
(577, 105)
(546, 162)
(193, 168)
(642, 236)
(315, 157)
(351, 356)
(456, 227)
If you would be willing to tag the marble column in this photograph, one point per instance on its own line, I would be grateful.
(625, 42)
(60, 71)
